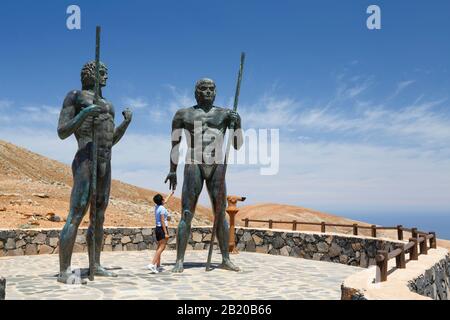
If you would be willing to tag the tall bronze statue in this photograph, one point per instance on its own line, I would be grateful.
(206, 123)
(87, 115)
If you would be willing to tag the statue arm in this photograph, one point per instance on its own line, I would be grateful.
(120, 130)
(238, 138)
(69, 122)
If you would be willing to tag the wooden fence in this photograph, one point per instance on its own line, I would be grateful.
(418, 242)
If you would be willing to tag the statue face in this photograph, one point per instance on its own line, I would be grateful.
(205, 93)
(103, 76)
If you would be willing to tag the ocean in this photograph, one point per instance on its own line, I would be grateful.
(439, 223)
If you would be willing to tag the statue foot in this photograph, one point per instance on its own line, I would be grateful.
(70, 278)
(103, 272)
(228, 265)
(178, 267)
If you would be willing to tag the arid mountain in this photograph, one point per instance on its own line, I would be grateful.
(33, 186)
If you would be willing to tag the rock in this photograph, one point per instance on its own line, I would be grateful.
(197, 237)
(262, 249)
(10, 244)
(20, 243)
(356, 246)
(278, 242)
(240, 246)
(334, 251)
(147, 232)
(31, 249)
(343, 259)
(41, 195)
(284, 251)
(117, 247)
(317, 256)
(2, 209)
(329, 239)
(81, 239)
(363, 260)
(108, 239)
(1, 245)
(53, 242)
(207, 237)
(138, 238)
(247, 236)
(131, 247)
(258, 240)
(45, 249)
(16, 252)
(40, 238)
(322, 247)
(126, 240)
(107, 247)
(250, 246)
(2, 288)
(142, 246)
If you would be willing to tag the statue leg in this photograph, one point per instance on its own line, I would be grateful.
(192, 187)
(79, 202)
(103, 192)
(218, 200)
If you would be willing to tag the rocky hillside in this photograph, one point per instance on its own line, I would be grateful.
(35, 189)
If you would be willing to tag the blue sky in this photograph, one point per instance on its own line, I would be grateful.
(363, 115)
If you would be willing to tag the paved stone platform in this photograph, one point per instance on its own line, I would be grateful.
(262, 277)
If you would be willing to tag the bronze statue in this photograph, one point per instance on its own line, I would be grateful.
(80, 114)
(209, 123)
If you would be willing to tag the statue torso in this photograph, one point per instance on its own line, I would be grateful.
(210, 124)
(104, 124)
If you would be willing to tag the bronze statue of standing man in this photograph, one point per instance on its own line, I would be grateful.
(78, 114)
(204, 125)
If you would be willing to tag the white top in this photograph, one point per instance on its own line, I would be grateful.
(161, 211)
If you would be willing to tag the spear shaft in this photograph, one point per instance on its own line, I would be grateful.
(94, 158)
(221, 196)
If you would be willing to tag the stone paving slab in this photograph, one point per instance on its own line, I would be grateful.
(262, 277)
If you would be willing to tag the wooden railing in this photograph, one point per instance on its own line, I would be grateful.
(418, 242)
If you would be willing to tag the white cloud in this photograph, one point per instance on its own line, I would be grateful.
(135, 103)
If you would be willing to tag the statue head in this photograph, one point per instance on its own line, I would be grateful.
(88, 75)
(205, 91)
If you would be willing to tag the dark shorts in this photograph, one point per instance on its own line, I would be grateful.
(160, 235)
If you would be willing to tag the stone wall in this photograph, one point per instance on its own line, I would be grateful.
(345, 249)
(31, 242)
(434, 282)
(338, 248)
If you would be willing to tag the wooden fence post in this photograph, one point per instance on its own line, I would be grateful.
(294, 225)
(374, 231)
(400, 260)
(424, 245)
(246, 222)
(400, 232)
(322, 227)
(382, 264)
(270, 223)
(413, 253)
(433, 244)
(414, 232)
(355, 229)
